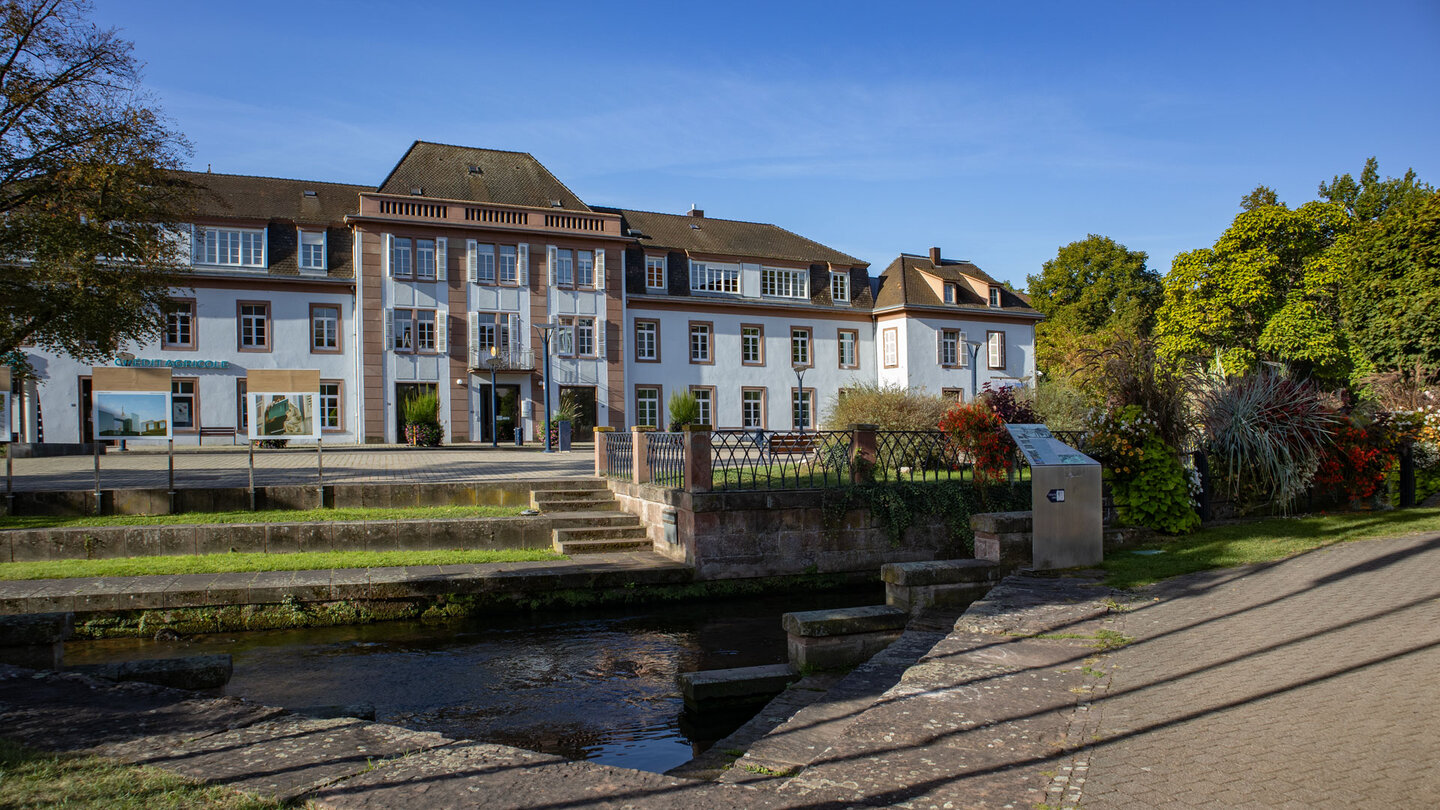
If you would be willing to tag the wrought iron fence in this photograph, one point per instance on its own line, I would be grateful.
(918, 455)
(1074, 438)
(759, 459)
(619, 454)
(665, 455)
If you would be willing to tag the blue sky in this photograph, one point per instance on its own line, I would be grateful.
(997, 131)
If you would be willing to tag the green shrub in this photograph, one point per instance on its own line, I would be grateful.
(684, 410)
(1148, 484)
(1061, 405)
(889, 406)
(421, 409)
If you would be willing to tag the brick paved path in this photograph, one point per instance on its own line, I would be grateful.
(351, 464)
(1313, 682)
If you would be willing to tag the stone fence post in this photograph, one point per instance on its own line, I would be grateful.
(640, 454)
(602, 464)
(698, 463)
(863, 450)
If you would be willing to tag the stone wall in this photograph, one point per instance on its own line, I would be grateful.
(731, 535)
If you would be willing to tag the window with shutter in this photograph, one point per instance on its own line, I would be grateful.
(470, 261)
(600, 270)
(386, 249)
(442, 331)
(442, 259)
(524, 264)
(550, 252)
(472, 342)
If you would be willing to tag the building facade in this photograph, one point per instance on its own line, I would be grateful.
(437, 279)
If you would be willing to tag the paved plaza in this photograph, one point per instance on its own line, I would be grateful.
(195, 468)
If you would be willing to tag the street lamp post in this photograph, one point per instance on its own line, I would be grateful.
(800, 394)
(545, 330)
(974, 347)
(493, 363)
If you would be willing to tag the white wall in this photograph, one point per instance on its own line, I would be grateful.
(922, 368)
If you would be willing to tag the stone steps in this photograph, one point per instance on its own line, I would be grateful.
(573, 500)
(630, 536)
(590, 521)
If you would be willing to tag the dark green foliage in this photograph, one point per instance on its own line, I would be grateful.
(1157, 495)
(1392, 306)
(898, 505)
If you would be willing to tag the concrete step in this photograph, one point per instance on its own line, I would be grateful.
(568, 494)
(582, 520)
(569, 547)
(593, 504)
(632, 531)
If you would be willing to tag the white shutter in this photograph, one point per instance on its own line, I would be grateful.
(517, 338)
(600, 337)
(940, 346)
(389, 329)
(962, 349)
(472, 261)
(599, 269)
(550, 263)
(387, 250)
(442, 330)
(522, 258)
(750, 280)
(442, 262)
(474, 339)
(996, 351)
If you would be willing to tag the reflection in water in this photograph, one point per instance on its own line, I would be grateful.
(600, 685)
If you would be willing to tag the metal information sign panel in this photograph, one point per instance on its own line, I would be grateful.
(1065, 493)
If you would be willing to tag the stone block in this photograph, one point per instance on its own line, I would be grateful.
(35, 629)
(282, 538)
(348, 496)
(410, 535)
(809, 653)
(190, 672)
(938, 572)
(996, 523)
(1011, 549)
(844, 621)
(348, 536)
(739, 685)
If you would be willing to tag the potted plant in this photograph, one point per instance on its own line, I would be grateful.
(684, 410)
(561, 422)
(422, 420)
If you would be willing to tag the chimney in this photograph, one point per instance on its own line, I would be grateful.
(697, 212)
(935, 256)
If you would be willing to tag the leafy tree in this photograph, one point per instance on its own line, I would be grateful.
(1392, 302)
(86, 186)
(1268, 290)
(1093, 292)
(1370, 198)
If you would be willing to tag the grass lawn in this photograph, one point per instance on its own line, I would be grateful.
(226, 563)
(33, 779)
(265, 516)
(1260, 541)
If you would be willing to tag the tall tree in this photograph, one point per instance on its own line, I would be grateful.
(1094, 291)
(1370, 198)
(87, 190)
(1268, 290)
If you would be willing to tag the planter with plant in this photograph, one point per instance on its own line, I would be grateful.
(1148, 484)
(684, 410)
(422, 420)
(562, 421)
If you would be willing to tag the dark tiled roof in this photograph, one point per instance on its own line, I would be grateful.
(508, 178)
(283, 204)
(903, 283)
(728, 237)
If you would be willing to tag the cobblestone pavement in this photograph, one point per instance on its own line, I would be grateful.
(351, 464)
(1312, 682)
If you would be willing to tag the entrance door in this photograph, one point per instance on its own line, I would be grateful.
(87, 426)
(583, 428)
(507, 412)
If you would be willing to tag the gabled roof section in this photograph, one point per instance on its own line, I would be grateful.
(478, 175)
(238, 196)
(903, 284)
(727, 237)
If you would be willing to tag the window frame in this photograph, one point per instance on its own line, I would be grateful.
(240, 327)
(175, 306)
(408, 252)
(414, 315)
(565, 325)
(242, 407)
(491, 251)
(955, 394)
(796, 280)
(434, 252)
(500, 265)
(994, 297)
(709, 359)
(194, 397)
(659, 404)
(991, 344)
(580, 323)
(845, 279)
(761, 348)
(809, 394)
(764, 407)
(959, 347)
(654, 324)
(581, 268)
(243, 235)
(809, 344)
(565, 259)
(952, 293)
(854, 348)
(660, 263)
(723, 272)
(339, 333)
(890, 347)
(339, 406)
(706, 403)
(300, 249)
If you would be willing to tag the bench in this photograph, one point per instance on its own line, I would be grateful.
(217, 431)
(792, 445)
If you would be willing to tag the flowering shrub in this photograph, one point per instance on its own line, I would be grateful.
(1011, 404)
(1148, 484)
(979, 433)
(1354, 466)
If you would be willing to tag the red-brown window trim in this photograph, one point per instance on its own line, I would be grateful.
(659, 403)
(855, 333)
(341, 399)
(743, 327)
(1000, 367)
(809, 345)
(656, 323)
(764, 405)
(814, 417)
(714, 400)
(240, 326)
(194, 344)
(339, 329)
(710, 339)
(194, 406)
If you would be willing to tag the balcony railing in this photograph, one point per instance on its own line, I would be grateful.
(510, 360)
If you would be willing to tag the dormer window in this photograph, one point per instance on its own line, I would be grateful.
(230, 247)
(312, 251)
(995, 297)
(840, 287)
(951, 293)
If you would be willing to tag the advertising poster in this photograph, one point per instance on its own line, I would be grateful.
(131, 403)
(283, 404)
(5, 417)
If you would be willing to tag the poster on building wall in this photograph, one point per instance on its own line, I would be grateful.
(131, 403)
(283, 404)
(5, 416)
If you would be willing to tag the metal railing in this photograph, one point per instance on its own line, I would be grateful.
(510, 359)
(759, 459)
(665, 456)
(619, 455)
